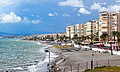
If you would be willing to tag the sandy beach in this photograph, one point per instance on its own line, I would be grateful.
(80, 60)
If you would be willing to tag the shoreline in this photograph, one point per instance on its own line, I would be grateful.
(55, 57)
(31, 67)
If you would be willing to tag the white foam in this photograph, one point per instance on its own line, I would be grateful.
(42, 65)
(18, 68)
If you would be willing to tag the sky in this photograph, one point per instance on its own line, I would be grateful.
(43, 16)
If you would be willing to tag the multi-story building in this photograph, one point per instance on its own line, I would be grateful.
(103, 23)
(95, 26)
(109, 22)
(88, 28)
(68, 31)
(72, 31)
(118, 21)
(79, 29)
(91, 27)
(82, 29)
(75, 29)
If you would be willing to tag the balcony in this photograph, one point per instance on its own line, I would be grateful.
(104, 25)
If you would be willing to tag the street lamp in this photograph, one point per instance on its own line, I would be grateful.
(111, 48)
(92, 67)
(49, 58)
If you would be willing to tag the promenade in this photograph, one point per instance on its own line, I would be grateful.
(78, 61)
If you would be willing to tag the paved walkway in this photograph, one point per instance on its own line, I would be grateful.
(83, 58)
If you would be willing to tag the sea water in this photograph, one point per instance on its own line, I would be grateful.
(20, 54)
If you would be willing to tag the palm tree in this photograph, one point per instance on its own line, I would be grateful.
(104, 36)
(88, 37)
(57, 37)
(114, 34)
(92, 37)
(118, 36)
(75, 37)
(96, 36)
(83, 37)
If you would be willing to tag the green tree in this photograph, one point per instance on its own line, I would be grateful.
(104, 36)
(75, 37)
(57, 37)
(88, 37)
(83, 37)
(118, 36)
(114, 33)
(92, 37)
(96, 36)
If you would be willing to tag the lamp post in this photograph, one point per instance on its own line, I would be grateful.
(92, 67)
(49, 58)
(111, 48)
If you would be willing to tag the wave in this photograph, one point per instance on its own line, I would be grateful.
(42, 65)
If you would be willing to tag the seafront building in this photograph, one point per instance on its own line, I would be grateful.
(79, 29)
(68, 31)
(91, 27)
(107, 23)
(75, 29)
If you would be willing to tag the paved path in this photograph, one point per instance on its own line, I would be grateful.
(83, 58)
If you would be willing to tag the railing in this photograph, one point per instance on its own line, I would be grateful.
(80, 67)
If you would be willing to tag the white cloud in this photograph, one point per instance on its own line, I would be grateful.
(6, 2)
(113, 8)
(95, 6)
(84, 11)
(78, 14)
(66, 15)
(117, 0)
(53, 14)
(35, 21)
(73, 3)
(26, 20)
(104, 3)
(9, 18)
(50, 14)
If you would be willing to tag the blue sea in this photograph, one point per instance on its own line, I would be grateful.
(18, 53)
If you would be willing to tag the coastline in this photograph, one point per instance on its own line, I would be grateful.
(32, 67)
(55, 54)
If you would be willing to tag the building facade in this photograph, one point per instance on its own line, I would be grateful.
(107, 23)
(103, 23)
(68, 31)
(79, 29)
(91, 27)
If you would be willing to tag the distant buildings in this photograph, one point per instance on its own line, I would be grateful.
(91, 27)
(107, 23)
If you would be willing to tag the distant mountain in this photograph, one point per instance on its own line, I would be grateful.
(24, 34)
(7, 34)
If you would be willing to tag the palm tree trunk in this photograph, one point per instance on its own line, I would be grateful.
(114, 39)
